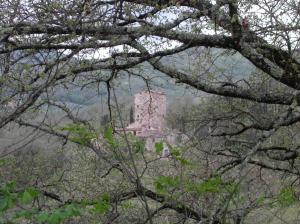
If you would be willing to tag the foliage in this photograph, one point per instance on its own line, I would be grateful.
(232, 149)
(286, 197)
(80, 133)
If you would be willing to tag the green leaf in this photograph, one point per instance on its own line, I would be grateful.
(212, 185)
(23, 214)
(159, 146)
(101, 208)
(3, 162)
(108, 135)
(175, 152)
(80, 133)
(5, 203)
(28, 195)
(11, 186)
(105, 197)
(103, 205)
(72, 210)
(54, 218)
(42, 217)
(286, 197)
(164, 183)
(59, 215)
(138, 146)
(183, 161)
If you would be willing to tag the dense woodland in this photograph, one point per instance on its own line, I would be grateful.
(69, 70)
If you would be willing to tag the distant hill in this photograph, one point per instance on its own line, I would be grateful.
(206, 63)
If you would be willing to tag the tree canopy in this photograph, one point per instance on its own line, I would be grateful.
(47, 46)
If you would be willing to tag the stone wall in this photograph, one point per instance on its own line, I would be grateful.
(150, 111)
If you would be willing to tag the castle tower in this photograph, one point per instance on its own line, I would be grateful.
(150, 110)
(149, 114)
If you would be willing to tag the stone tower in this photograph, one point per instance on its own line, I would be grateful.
(150, 111)
(150, 108)
(149, 114)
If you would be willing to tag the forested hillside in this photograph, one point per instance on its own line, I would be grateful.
(223, 67)
(213, 137)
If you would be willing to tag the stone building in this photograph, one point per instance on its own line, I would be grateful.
(150, 109)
